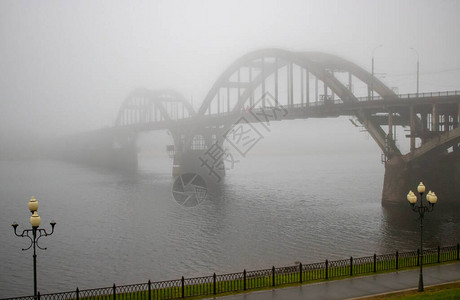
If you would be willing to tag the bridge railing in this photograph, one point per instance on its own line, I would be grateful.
(414, 95)
(430, 94)
(246, 280)
(331, 101)
(323, 101)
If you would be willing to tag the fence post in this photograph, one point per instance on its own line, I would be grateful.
(214, 282)
(327, 264)
(244, 279)
(38, 296)
(300, 272)
(439, 254)
(183, 286)
(273, 275)
(375, 263)
(77, 293)
(418, 257)
(351, 266)
(150, 290)
(114, 292)
(397, 260)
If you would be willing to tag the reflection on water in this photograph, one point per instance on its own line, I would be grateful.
(401, 227)
(268, 211)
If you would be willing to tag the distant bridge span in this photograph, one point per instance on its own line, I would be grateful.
(304, 85)
(307, 80)
(146, 106)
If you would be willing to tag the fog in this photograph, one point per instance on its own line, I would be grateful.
(66, 66)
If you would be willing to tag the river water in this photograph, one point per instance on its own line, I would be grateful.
(270, 210)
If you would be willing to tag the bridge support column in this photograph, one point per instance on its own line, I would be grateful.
(302, 83)
(176, 168)
(200, 152)
(424, 126)
(445, 122)
(440, 174)
(390, 125)
(307, 79)
(316, 90)
(435, 119)
(325, 93)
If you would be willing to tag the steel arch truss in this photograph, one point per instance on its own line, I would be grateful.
(143, 106)
(297, 79)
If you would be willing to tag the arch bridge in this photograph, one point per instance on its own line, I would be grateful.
(275, 85)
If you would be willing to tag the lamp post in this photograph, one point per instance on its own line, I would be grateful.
(372, 78)
(421, 209)
(34, 234)
(418, 69)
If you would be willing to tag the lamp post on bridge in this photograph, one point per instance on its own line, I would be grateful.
(421, 209)
(372, 78)
(418, 70)
(35, 222)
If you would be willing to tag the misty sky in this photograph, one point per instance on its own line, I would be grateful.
(66, 66)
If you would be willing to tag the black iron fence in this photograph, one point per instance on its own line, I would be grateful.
(247, 280)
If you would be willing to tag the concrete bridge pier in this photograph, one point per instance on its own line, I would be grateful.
(200, 151)
(439, 174)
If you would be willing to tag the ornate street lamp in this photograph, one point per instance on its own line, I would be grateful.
(35, 222)
(421, 209)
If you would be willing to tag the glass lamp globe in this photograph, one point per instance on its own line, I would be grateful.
(33, 204)
(411, 197)
(35, 220)
(433, 198)
(428, 197)
(421, 188)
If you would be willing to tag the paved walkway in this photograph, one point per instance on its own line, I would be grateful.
(358, 286)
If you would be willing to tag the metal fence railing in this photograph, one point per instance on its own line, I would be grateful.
(247, 280)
